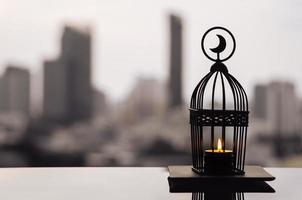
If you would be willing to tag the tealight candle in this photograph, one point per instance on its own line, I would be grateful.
(218, 161)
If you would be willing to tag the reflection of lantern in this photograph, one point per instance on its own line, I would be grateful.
(217, 195)
(210, 125)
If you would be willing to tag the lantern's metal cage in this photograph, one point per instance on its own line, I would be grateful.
(201, 118)
(235, 120)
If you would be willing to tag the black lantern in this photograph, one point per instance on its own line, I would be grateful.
(219, 121)
(219, 133)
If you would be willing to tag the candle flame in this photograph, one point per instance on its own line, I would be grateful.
(219, 145)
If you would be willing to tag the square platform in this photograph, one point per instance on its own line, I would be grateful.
(183, 179)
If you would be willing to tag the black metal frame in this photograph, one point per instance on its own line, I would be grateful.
(237, 119)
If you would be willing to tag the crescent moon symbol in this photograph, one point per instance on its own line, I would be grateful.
(221, 46)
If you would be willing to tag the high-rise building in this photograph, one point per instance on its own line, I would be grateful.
(260, 100)
(276, 104)
(55, 91)
(76, 56)
(67, 80)
(145, 100)
(175, 73)
(15, 91)
(282, 107)
(100, 106)
(300, 117)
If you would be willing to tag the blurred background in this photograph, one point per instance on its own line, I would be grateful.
(107, 83)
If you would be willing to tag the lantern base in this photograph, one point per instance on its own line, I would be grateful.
(183, 179)
(222, 173)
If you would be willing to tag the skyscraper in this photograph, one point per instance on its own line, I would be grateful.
(282, 107)
(175, 73)
(55, 91)
(67, 80)
(300, 116)
(277, 104)
(15, 91)
(260, 101)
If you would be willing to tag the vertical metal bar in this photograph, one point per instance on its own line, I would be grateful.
(200, 106)
(198, 150)
(245, 129)
(202, 153)
(193, 146)
(202, 90)
(223, 108)
(195, 94)
(244, 93)
(236, 107)
(194, 104)
(213, 107)
(235, 146)
(241, 128)
(240, 148)
(244, 151)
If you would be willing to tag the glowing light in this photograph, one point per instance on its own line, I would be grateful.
(219, 145)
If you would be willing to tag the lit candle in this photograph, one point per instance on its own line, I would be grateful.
(218, 161)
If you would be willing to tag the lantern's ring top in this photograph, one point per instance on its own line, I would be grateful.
(221, 45)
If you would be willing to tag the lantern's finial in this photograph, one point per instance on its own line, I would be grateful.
(219, 49)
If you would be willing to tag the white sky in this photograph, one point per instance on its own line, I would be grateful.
(131, 38)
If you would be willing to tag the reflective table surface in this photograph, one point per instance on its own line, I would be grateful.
(120, 183)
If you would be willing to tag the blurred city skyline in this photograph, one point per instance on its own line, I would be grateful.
(126, 47)
(151, 79)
